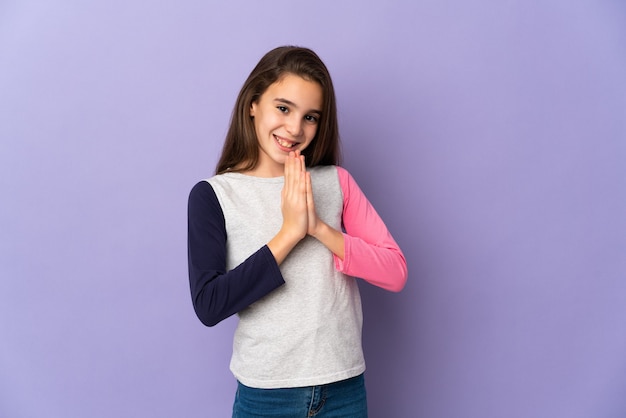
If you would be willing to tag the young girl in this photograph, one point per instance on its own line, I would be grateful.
(278, 235)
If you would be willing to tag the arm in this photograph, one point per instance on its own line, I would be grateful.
(370, 252)
(216, 293)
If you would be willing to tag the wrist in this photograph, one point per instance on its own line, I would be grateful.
(330, 237)
(282, 244)
(320, 230)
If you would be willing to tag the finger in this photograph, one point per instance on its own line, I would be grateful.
(310, 205)
(302, 163)
(296, 171)
(309, 191)
(296, 161)
(289, 171)
(295, 183)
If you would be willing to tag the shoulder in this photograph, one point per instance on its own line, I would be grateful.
(347, 182)
(334, 172)
(343, 173)
(326, 176)
(218, 185)
(202, 190)
(202, 196)
(330, 171)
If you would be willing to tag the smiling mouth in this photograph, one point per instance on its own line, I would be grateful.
(284, 142)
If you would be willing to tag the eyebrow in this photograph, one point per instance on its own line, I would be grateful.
(290, 103)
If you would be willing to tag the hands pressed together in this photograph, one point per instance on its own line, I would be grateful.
(298, 208)
(299, 216)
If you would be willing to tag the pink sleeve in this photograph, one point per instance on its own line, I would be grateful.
(370, 252)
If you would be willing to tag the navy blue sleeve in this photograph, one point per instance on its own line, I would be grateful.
(217, 293)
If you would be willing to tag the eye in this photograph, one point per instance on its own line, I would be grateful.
(282, 109)
(311, 118)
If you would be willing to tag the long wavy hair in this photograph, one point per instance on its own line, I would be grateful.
(241, 146)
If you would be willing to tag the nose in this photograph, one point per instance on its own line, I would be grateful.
(294, 126)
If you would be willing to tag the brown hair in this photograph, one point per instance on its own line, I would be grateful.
(241, 147)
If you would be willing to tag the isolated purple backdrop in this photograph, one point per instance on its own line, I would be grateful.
(490, 135)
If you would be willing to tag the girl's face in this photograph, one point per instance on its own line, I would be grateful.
(286, 117)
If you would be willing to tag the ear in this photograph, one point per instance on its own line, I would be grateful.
(252, 109)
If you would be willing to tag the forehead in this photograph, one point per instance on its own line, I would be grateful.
(303, 93)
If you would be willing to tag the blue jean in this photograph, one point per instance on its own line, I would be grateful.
(343, 399)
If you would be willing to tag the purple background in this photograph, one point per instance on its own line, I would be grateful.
(490, 135)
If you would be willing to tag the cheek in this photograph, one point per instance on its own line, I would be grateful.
(311, 131)
(262, 123)
(268, 122)
(309, 136)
